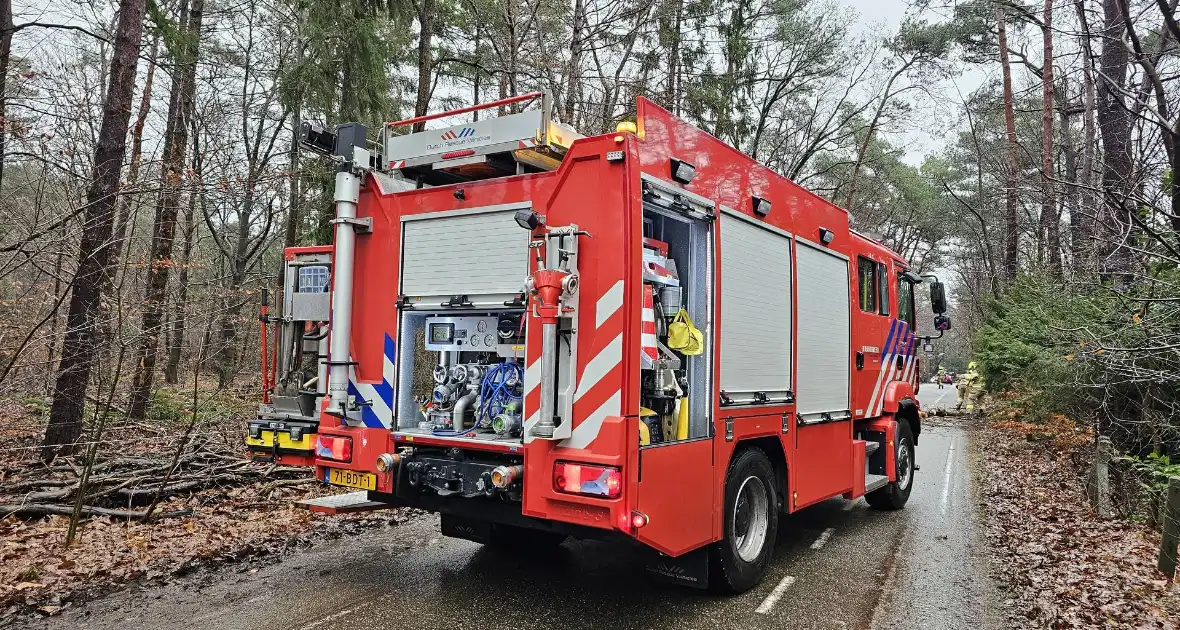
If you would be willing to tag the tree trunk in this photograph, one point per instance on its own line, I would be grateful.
(69, 396)
(1050, 220)
(145, 106)
(1011, 223)
(1072, 192)
(5, 55)
(180, 308)
(1082, 227)
(672, 93)
(426, 10)
(864, 145)
(574, 84)
(227, 362)
(167, 207)
(1115, 124)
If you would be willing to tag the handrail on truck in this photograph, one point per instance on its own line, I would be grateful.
(463, 110)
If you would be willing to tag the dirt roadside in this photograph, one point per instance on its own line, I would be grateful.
(1058, 563)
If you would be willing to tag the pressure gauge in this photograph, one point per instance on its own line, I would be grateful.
(481, 325)
(475, 341)
(489, 340)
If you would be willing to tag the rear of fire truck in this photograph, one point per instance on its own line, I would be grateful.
(523, 338)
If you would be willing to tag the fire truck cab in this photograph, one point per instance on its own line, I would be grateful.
(643, 336)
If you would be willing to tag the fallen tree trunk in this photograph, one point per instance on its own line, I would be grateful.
(47, 509)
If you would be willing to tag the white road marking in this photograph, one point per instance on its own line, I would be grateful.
(823, 538)
(337, 615)
(947, 479)
(768, 604)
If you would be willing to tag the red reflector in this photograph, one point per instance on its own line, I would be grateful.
(597, 481)
(638, 519)
(334, 448)
(458, 154)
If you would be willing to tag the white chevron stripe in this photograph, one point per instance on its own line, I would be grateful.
(585, 432)
(885, 358)
(893, 374)
(389, 372)
(610, 302)
(598, 367)
(532, 377)
(907, 376)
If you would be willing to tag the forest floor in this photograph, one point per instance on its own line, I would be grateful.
(218, 507)
(1061, 565)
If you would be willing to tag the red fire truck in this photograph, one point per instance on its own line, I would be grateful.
(643, 336)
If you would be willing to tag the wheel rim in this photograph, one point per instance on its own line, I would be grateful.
(905, 464)
(751, 519)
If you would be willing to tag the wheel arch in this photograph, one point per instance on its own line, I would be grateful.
(772, 447)
(907, 409)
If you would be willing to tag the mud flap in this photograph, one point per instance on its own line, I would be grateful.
(466, 528)
(690, 569)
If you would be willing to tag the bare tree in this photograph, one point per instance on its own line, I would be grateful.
(180, 112)
(69, 396)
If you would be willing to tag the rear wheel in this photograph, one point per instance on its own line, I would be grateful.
(738, 561)
(893, 496)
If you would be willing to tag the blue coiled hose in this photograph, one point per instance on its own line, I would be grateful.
(496, 389)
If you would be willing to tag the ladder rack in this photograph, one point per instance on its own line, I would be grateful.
(527, 141)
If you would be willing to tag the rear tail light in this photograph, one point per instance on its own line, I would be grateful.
(334, 448)
(596, 481)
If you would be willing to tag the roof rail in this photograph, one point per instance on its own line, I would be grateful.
(527, 141)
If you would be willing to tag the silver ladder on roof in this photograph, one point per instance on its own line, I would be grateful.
(494, 147)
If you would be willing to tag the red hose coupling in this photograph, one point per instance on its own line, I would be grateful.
(550, 285)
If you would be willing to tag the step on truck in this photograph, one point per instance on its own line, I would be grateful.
(643, 336)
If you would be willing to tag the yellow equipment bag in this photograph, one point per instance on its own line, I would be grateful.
(685, 337)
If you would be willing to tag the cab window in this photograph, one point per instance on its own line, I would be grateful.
(868, 282)
(883, 285)
(905, 301)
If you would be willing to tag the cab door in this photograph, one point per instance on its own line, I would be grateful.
(878, 334)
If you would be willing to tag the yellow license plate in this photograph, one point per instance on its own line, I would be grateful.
(352, 479)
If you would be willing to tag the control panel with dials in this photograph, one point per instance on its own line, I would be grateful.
(463, 334)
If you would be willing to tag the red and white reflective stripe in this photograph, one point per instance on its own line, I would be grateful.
(647, 328)
(397, 164)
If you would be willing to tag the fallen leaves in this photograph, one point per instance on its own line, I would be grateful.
(227, 520)
(1064, 566)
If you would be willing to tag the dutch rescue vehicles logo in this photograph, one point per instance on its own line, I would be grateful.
(458, 138)
(463, 133)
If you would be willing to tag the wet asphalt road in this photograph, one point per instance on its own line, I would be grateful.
(837, 565)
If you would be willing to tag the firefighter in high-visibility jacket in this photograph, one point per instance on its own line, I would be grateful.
(941, 376)
(970, 388)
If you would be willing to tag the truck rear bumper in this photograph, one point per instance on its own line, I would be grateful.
(494, 511)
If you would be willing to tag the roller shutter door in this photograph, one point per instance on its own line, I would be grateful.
(823, 334)
(476, 253)
(755, 310)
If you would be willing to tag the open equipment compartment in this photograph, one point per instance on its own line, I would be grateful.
(678, 275)
(464, 377)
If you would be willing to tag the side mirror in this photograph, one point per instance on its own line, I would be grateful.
(938, 300)
(942, 323)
